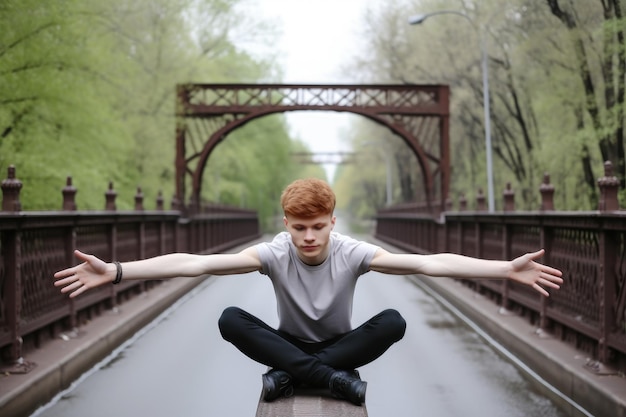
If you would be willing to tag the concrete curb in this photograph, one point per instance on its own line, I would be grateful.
(555, 368)
(61, 362)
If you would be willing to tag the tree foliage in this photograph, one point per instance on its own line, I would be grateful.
(88, 90)
(556, 79)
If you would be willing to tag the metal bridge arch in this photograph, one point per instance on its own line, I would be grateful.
(207, 113)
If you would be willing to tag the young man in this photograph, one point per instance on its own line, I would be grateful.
(314, 273)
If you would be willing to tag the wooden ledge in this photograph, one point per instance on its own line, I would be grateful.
(310, 402)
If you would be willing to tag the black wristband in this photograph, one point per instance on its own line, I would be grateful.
(118, 275)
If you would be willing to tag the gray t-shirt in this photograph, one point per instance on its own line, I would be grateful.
(315, 302)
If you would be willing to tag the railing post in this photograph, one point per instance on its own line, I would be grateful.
(506, 254)
(545, 242)
(110, 196)
(69, 195)
(481, 205)
(113, 257)
(139, 200)
(609, 185)
(11, 187)
(547, 193)
(509, 198)
(162, 237)
(11, 248)
(547, 204)
(608, 244)
(462, 202)
(159, 201)
(70, 259)
(479, 251)
(459, 237)
(447, 229)
(141, 240)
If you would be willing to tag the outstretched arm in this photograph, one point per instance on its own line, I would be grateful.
(93, 271)
(523, 269)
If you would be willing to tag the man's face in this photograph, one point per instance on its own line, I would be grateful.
(311, 236)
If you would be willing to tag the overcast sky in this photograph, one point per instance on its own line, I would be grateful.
(318, 38)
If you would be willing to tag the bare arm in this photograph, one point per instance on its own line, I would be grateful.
(523, 269)
(93, 272)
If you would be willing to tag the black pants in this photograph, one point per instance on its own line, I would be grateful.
(311, 363)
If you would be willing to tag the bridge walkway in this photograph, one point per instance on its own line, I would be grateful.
(179, 365)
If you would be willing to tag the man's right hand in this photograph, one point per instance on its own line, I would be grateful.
(91, 273)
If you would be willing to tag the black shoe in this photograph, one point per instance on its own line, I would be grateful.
(276, 383)
(354, 373)
(346, 385)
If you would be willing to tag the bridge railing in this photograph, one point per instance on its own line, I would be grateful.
(33, 245)
(589, 311)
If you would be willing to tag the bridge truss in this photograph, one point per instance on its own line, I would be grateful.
(207, 113)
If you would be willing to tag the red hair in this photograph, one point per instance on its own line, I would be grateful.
(307, 198)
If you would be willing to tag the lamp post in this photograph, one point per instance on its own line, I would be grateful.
(420, 18)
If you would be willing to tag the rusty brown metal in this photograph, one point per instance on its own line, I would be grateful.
(11, 187)
(589, 311)
(609, 186)
(508, 196)
(139, 200)
(35, 244)
(110, 196)
(69, 195)
(547, 193)
(207, 113)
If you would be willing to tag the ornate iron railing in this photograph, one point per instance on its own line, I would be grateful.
(34, 245)
(589, 311)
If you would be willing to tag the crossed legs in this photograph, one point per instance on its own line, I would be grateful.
(313, 364)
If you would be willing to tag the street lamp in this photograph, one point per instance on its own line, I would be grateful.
(420, 18)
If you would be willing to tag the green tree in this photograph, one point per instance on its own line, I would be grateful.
(556, 73)
(88, 90)
(594, 39)
(53, 119)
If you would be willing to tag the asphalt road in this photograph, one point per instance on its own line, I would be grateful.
(181, 366)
